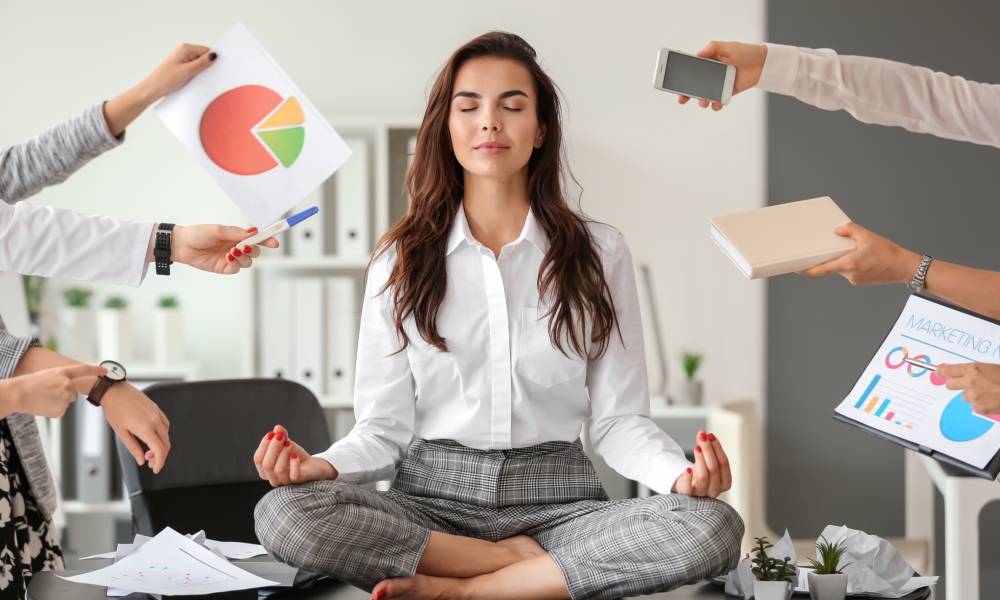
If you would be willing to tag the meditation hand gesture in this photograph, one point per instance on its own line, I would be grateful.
(281, 461)
(711, 475)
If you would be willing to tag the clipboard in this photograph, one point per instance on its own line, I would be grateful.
(990, 471)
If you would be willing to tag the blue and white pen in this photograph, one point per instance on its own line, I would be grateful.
(274, 229)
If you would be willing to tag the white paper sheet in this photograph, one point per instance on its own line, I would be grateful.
(913, 403)
(233, 550)
(172, 564)
(266, 145)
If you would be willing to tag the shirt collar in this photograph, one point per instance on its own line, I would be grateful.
(532, 231)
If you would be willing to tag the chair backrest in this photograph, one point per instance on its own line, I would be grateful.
(739, 428)
(209, 481)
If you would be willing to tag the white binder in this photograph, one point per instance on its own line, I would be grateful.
(307, 347)
(305, 240)
(341, 337)
(352, 197)
(276, 327)
(93, 466)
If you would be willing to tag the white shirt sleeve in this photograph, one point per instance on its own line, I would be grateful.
(384, 392)
(884, 92)
(621, 430)
(52, 242)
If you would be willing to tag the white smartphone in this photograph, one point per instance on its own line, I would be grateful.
(693, 76)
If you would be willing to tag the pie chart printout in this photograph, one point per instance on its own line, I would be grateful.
(252, 129)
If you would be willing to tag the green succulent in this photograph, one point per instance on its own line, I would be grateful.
(829, 557)
(691, 361)
(167, 302)
(767, 568)
(115, 302)
(77, 297)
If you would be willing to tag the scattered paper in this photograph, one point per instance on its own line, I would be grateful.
(253, 130)
(231, 550)
(172, 564)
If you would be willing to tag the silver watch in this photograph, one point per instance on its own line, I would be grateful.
(919, 281)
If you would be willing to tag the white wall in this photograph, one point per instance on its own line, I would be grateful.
(655, 170)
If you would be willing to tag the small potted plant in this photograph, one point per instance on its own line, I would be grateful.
(827, 582)
(167, 331)
(77, 335)
(114, 330)
(773, 577)
(691, 390)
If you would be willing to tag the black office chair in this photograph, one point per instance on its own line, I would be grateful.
(209, 481)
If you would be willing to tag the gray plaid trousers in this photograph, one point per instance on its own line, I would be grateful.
(604, 548)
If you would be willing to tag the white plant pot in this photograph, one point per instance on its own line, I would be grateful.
(690, 393)
(772, 590)
(114, 335)
(77, 333)
(827, 587)
(168, 336)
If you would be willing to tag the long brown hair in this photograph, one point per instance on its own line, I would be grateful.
(571, 274)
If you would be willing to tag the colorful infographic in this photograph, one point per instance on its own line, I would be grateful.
(250, 129)
(253, 130)
(898, 395)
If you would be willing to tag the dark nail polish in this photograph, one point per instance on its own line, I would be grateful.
(229, 257)
(212, 55)
(270, 435)
(287, 443)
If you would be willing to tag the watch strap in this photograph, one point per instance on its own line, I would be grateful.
(919, 281)
(97, 392)
(161, 248)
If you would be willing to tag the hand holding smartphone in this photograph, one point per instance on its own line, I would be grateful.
(747, 60)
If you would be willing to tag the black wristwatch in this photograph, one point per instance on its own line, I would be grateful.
(116, 374)
(161, 248)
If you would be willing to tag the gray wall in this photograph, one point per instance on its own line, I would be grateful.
(928, 194)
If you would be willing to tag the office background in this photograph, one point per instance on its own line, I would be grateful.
(653, 169)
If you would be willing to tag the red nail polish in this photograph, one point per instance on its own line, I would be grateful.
(270, 434)
(287, 443)
(711, 437)
(295, 456)
(280, 437)
(690, 470)
(252, 230)
(229, 257)
(703, 437)
(697, 448)
(246, 249)
(236, 252)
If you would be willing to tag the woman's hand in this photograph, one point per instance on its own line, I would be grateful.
(45, 393)
(180, 66)
(979, 382)
(874, 259)
(213, 248)
(747, 58)
(281, 461)
(711, 475)
(134, 417)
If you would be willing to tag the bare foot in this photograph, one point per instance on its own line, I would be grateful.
(419, 587)
(523, 546)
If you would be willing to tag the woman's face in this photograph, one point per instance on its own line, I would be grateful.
(493, 119)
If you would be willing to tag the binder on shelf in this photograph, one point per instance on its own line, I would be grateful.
(305, 240)
(308, 330)
(276, 346)
(411, 151)
(341, 336)
(352, 199)
(93, 464)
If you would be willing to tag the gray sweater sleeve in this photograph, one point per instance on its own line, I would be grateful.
(51, 157)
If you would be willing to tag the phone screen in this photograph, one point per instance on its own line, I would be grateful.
(694, 76)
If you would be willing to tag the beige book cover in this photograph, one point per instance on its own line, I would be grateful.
(784, 238)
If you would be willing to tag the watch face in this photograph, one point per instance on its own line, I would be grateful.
(116, 372)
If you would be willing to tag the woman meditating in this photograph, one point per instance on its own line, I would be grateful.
(497, 323)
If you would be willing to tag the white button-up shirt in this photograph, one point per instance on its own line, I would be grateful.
(885, 92)
(502, 384)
